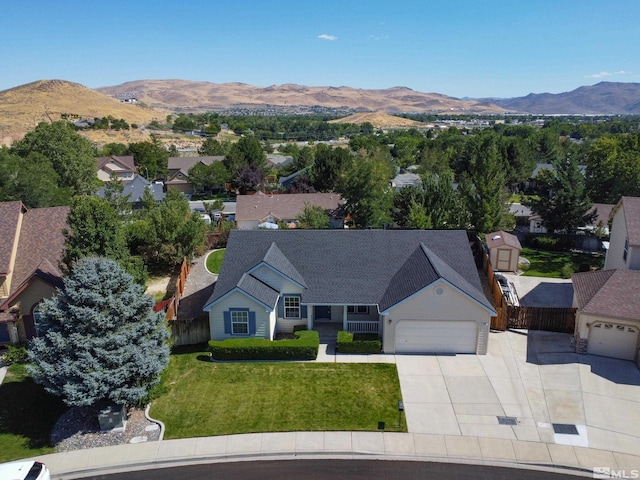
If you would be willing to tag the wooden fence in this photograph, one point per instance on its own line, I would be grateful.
(190, 332)
(530, 318)
(170, 306)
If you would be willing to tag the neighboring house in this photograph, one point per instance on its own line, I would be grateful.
(179, 167)
(521, 212)
(135, 189)
(536, 225)
(504, 251)
(274, 161)
(608, 319)
(253, 210)
(31, 248)
(418, 289)
(603, 215)
(624, 244)
(406, 180)
(285, 182)
(122, 167)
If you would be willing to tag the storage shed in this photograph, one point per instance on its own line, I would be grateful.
(504, 251)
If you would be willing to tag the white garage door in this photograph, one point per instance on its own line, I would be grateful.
(612, 340)
(436, 337)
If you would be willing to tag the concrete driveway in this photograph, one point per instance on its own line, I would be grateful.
(542, 292)
(536, 380)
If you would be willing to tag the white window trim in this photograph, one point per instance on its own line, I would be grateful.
(291, 309)
(236, 321)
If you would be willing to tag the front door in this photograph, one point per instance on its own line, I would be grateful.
(322, 312)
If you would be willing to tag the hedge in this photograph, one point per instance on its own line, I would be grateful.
(304, 347)
(358, 342)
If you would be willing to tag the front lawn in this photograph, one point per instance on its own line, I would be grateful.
(214, 260)
(203, 398)
(27, 416)
(549, 264)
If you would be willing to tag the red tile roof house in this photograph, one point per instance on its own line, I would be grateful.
(624, 245)
(608, 319)
(253, 210)
(30, 252)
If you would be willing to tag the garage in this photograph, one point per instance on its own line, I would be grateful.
(413, 336)
(613, 340)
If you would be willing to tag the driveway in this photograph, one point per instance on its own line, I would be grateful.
(536, 380)
(543, 292)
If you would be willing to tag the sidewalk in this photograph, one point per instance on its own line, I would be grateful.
(345, 445)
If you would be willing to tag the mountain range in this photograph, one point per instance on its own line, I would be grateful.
(23, 107)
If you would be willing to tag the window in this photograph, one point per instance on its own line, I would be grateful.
(36, 314)
(626, 249)
(291, 307)
(358, 309)
(240, 322)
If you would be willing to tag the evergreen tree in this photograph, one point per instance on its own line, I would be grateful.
(567, 206)
(99, 338)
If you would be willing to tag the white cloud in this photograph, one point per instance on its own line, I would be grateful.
(607, 74)
(324, 36)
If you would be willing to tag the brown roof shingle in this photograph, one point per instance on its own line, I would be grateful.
(9, 216)
(284, 206)
(631, 206)
(41, 244)
(496, 239)
(609, 293)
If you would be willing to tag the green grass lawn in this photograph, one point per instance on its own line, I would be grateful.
(27, 416)
(549, 264)
(214, 261)
(203, 398)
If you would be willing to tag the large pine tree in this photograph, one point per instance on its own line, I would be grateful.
(99, 338)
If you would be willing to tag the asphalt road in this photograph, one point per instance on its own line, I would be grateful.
(335, 470)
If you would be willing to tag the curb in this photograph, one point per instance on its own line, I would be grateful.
(148, 417)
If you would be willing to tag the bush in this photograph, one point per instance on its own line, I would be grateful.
(567, 270)
(304, 347)
(16, 353)
(358, 342)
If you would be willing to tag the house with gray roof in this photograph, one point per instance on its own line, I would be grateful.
(135, 190)
(419, 290)
(624, 246)
(608, 317)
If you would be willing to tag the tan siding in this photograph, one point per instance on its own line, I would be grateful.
(616, 246)
(34, 293)
(247, 224)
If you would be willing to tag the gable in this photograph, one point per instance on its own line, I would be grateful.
(352, 266)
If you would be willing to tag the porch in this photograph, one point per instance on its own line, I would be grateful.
(355, 319)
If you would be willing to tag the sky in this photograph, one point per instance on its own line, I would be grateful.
(460, 48)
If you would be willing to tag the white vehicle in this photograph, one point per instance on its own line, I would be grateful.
(24, 470)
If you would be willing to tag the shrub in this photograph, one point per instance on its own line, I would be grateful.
(567, 270)
(304, 347)
(16, 353)
(358, 342)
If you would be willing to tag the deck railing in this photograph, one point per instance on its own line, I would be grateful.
(361, 326)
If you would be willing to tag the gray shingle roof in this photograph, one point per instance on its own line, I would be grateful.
(375, 267)
(276, 259)
(258, 290)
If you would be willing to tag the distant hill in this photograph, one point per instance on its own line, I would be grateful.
(188, 95)
(380, 120)
(604, 98)
(23, 107)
